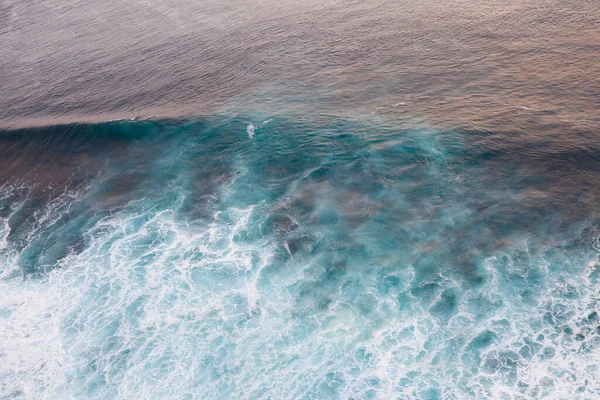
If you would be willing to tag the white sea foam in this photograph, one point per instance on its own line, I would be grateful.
(154, 307)
(250, 131)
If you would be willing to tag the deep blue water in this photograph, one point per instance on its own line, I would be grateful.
(245, 257)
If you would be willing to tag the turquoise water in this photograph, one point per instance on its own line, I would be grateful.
(305, 258)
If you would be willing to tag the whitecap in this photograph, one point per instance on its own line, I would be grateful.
(250, 131)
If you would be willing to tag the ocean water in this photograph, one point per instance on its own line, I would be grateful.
(270, 258)
(342, 200)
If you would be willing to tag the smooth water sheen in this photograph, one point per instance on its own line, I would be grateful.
(270, 258)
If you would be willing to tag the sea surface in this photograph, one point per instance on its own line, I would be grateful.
(299, 200)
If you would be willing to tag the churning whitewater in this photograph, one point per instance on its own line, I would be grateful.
(234, 258)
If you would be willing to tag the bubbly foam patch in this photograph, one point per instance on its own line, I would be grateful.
(154, 308)
(327, 289)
